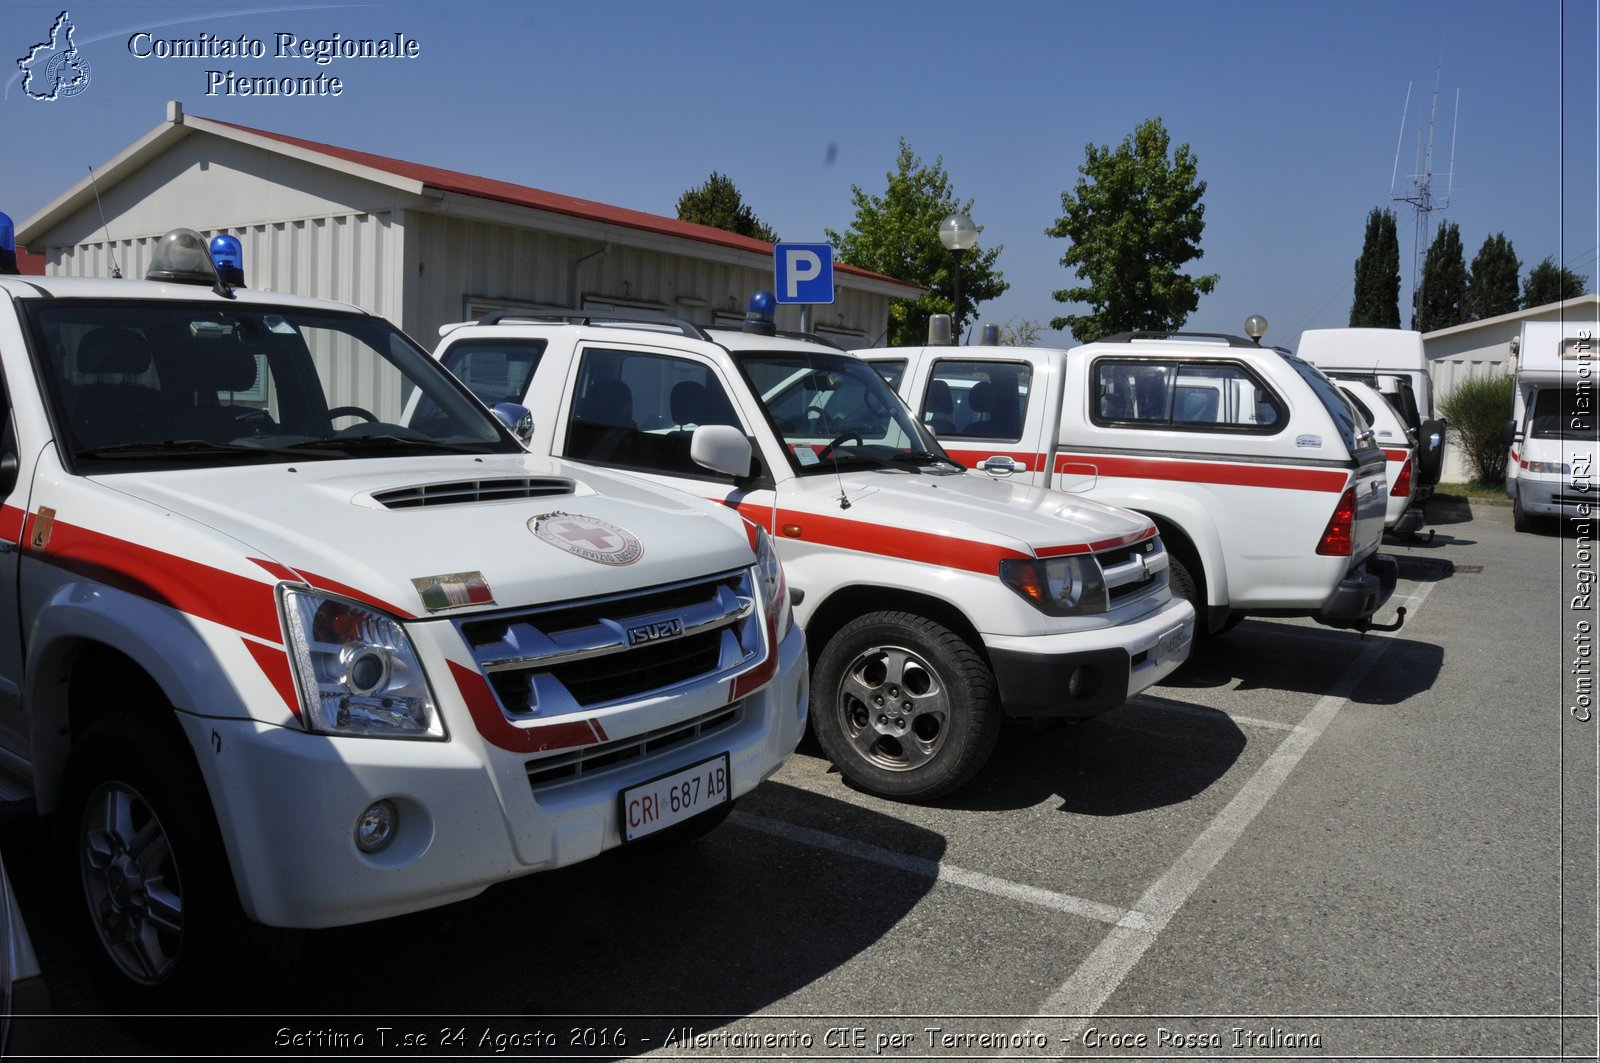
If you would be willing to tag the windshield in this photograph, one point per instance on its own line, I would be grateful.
(1560, 413)
(834, 411)
(146, 382)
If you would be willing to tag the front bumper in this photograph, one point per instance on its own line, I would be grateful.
(1360, 594)
(1085, 673)
(1552, 498)
(470, 814)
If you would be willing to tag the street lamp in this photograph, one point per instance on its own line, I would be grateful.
(958, 234)
(1255, 326)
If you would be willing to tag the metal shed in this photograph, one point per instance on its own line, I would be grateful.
(418, 244)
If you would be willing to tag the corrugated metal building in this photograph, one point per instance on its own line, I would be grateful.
(420, 245)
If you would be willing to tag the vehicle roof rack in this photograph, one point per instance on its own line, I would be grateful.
(687, 328)
(1228, 338)
(791, 334)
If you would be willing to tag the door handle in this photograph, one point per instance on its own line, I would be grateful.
(1001, 465)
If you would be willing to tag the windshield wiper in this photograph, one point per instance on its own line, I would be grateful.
(193, 448)
(389, 442)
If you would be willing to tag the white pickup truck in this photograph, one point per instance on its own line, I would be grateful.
(297, 634)
(1269, 495)
(934, 600)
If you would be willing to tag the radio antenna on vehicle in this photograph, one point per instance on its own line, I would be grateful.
(116, 270)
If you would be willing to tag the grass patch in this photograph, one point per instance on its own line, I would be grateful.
(1471, 492)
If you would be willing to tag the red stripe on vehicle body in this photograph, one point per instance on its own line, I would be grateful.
(190, 587)
(1240, 475)
(932, 548)
(499, 731)
(1396, 455)
(274, 661)
(12, 521)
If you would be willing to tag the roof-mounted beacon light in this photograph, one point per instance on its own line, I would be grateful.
(227, 255)
(182, 257)
(761, 317)
(8, 246)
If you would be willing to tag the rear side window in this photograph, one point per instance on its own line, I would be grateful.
(1328, 393)
(977, 400)
(1183, 395)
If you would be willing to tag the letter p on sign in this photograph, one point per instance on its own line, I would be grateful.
(803, 273)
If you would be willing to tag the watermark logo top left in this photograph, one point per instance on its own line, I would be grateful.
(55, 69)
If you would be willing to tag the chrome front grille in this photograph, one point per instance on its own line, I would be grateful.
(544, 663)
(1134, 571)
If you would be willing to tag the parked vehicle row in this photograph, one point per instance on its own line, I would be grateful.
(304, 635)
(1268, 490)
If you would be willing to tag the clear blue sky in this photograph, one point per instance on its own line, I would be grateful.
(1293, 109)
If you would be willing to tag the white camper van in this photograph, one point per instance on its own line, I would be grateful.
(1552, 431)
(1391, 361)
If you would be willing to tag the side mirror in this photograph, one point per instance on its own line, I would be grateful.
(517, 418)
(1508, 433)
(721, 448)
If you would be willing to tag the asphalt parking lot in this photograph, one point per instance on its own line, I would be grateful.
(1306, 844)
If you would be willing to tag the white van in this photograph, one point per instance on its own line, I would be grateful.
(1550, 471)
(1393, 362)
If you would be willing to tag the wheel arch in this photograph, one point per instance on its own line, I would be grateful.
(847, 603)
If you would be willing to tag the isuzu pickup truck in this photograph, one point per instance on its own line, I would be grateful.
(298, 634)
(935, 600)
(1268, 494)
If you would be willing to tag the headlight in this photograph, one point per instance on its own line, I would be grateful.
(357, 671)
(1058, 586)
(770, 582)
(1550, 468)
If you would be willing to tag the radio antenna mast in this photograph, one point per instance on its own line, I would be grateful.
(1421, 193)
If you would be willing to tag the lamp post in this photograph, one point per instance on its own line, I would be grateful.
(1255, 326)
(958, 234)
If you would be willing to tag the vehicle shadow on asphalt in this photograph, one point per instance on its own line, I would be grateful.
(716, 928)
(1130, 760)
(1261, 654)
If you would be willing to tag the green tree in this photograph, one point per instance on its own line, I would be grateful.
(1134, 218)
(1439, 302)
(718, 203)
(1492, 285)
(897, 234)
(1377, 291)
(1550, 283)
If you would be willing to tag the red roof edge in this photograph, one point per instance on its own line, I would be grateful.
(522, 195)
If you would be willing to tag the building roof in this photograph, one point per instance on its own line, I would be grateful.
(1578, 306)
(421, 179)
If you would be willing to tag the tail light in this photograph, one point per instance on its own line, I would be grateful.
(1338, 538)
(1402, 483)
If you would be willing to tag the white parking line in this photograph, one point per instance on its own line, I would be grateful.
(1091, 985)
(934, 869)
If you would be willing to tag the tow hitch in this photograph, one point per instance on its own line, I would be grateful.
(1399, 621)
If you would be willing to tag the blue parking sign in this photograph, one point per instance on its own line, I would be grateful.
(803, 273)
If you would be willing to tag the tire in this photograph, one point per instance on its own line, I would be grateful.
(141, 854)
(1183, 585)
(1520, 520)
(949, 706)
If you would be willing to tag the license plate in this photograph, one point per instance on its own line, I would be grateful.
(1170, 642)
(660, 803)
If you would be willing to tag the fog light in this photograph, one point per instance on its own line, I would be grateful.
(375, 829)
